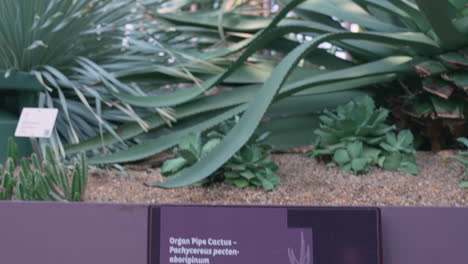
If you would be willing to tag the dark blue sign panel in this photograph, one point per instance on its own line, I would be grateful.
(273, 235)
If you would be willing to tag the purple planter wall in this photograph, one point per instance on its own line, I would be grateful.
(425, 235)
(60, 233)
(71, 233)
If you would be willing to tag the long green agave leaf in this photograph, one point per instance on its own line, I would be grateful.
(164, 142)
(384, 5)
(348, 11)
(290, 132)
(436, 13)
(358, 76)
(413, 11)
(397, 12)
(202, 105)
(168, 99)
(231, 21)
(339, 86)
(458, 4)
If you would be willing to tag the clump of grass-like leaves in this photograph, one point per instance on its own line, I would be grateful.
(41, 180)
(356, 136)
(73, 49)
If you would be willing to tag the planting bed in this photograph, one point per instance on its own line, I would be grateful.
(304, 181)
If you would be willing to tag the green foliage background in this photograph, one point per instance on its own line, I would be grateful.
(134, 78)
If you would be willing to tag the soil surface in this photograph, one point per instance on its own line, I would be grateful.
(304, 182)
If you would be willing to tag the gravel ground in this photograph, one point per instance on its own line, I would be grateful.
(304, 182)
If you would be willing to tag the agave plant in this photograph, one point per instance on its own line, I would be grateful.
(396, 42)
(408, 35)
(222, 95)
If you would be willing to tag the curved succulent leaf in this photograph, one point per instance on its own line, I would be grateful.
(437, 15)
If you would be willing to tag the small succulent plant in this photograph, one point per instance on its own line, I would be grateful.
(41, 181)
(250, 166)
(356, 121)
(463, 158)
(190, 150)
(356, 137)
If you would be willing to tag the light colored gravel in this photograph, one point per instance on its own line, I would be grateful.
(304, 182)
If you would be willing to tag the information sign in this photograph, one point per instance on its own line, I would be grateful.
(36, 122)
(273, 235)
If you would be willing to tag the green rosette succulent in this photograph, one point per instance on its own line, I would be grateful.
(356, 137)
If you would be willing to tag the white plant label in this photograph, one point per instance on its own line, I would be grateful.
(36, 122)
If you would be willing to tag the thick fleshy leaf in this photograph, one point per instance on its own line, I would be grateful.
(438, 87)
(429, 68)
(437, 15)
(358, 165)
(459, 78)
(393, 161)
(447, 108)
(341, 156)
(413, 11)
(162, 143)
(455, 60)
(347, 11)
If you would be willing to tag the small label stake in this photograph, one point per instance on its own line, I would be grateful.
(36, 122)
